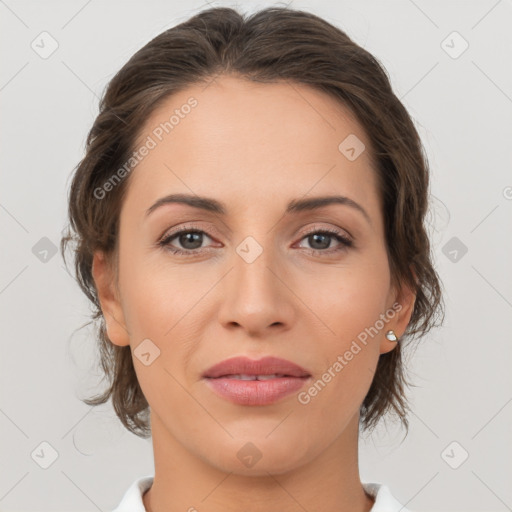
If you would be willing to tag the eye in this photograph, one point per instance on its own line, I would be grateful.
(189, 241)
(320, 240)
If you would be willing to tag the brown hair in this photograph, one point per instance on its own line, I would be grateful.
(273, 44)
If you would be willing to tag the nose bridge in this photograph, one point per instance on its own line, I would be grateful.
(252, 263)
(254, 297)
(257, 251)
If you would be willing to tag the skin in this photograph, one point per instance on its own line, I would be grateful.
(290, 302)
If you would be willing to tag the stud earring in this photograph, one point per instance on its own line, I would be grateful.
(391, 336)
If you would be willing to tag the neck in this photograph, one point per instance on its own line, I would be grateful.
(186, 482)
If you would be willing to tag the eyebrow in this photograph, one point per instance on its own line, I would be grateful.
(294, 206)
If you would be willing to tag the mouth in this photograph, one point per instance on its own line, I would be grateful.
(255, 377)
(243, 381)
(244, 368)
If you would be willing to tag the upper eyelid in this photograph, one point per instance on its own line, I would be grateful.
(176, 231)
(170, 234)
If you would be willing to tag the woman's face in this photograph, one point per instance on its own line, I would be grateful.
(252, 281)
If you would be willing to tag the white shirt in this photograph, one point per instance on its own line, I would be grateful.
(384, 500)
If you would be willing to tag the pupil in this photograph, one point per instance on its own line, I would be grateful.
(315, 238)
(189, 237)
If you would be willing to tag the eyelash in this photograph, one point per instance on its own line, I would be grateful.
(164, 242)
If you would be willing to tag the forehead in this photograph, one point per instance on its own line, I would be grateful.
(239, 139)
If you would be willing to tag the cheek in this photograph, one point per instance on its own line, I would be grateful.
(155, 295)
(350, 297)
(351, 302)
(156, 305)
(351, 308)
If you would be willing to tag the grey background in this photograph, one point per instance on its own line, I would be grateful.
(463, 109)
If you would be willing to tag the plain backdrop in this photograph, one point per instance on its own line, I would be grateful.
(449, 62)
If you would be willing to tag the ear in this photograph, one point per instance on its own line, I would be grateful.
(403, 305)
(104, 279)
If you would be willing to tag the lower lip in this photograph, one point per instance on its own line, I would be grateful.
(256, 392)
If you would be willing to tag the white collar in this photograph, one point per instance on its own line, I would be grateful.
(384, 500)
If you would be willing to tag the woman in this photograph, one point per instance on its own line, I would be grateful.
(249, 225)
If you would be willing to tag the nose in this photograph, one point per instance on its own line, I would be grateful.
(257, 296)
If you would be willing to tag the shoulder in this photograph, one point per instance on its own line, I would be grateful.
(132, 499)
(384, 500)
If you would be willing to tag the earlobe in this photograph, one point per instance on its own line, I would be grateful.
(404, 307)
(108, 297)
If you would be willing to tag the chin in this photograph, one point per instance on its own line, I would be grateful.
(259, 455)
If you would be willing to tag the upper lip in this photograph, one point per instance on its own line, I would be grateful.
(266, 366)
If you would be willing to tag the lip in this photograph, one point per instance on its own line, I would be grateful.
(221, 378)
(264, 366)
